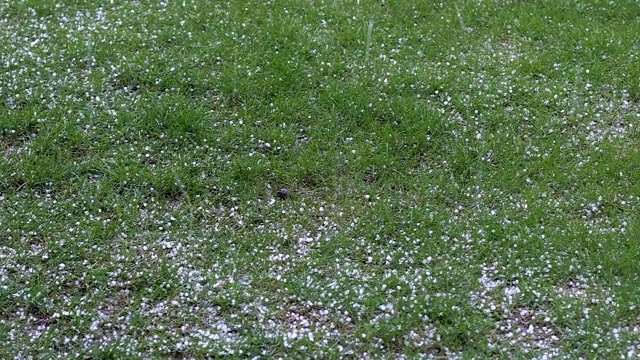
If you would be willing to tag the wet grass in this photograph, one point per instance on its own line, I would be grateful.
(463, 179)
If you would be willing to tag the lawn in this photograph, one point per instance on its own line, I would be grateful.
(462, 179)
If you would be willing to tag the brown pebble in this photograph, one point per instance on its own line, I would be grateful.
(284, 193)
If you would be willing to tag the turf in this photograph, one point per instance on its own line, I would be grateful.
(463, 179)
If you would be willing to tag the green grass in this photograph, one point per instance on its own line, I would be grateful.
(464, 184)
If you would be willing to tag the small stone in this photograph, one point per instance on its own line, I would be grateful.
(284, 193)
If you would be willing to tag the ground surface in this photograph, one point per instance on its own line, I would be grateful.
(464, 179)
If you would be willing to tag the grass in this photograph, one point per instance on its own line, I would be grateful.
(465, 179)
